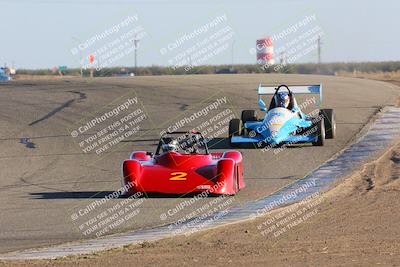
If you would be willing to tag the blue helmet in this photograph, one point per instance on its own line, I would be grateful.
(282, 99)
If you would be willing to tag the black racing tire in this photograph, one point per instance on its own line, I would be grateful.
(320, 132)
(235, 127)
(236, 180)
(248, 115)
(330, 123)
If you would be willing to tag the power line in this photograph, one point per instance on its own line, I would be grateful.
(319, 49)
(136, 42)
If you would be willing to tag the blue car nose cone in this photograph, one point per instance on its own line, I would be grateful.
(276, 140)
(272, 137)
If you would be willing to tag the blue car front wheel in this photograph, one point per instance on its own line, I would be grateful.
(319, 127)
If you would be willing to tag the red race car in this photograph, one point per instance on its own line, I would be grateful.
(182, 164)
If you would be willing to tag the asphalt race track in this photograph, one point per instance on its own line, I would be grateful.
(46, 178)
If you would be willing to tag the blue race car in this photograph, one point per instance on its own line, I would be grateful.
(284, 122)
(4, 76)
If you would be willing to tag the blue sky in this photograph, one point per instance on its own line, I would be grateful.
(41, 33)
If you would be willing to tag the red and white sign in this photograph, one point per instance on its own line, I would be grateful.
(265, 51)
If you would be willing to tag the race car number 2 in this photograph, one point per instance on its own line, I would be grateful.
(178, 176)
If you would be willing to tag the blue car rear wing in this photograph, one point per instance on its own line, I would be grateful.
(296, 89)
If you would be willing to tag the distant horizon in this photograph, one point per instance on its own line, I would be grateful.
(216, 65)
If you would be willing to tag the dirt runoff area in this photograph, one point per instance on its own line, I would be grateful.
(355, 224)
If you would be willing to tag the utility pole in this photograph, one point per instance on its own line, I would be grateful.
(81, 62)
(136, 42)
(233, 43)
(282, 57)
(319, 49)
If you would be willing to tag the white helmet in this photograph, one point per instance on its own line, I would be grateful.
(173, 145)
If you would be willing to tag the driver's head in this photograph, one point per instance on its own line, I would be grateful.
(170, 145)
(283, 100)
(193, 142)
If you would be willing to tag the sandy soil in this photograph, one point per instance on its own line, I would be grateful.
(355, 224)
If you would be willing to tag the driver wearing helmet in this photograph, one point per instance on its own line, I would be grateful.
(282, 100)
(170, 146)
